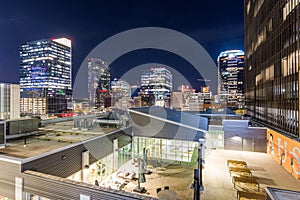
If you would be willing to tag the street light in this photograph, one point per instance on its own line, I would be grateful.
(200, 161)
(198, 184)
(141, 177)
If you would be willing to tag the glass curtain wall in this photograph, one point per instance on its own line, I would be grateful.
(165, 149)
(272, 63)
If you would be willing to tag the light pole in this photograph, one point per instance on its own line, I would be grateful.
(141, 177)
(200, 162)
(198, 184)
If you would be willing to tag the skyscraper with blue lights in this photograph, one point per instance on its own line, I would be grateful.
(46, 76)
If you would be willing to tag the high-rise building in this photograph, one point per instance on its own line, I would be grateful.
(186, 99)
(103, 90)
(272, 47)
(9, 101)
(120, 91)
(46, 76)
(96, 67)
(231, 77)
(272, 67)
(156, 87)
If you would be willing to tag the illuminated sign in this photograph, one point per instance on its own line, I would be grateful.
(285, 151)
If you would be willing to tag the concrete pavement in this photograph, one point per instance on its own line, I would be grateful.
(216, 178)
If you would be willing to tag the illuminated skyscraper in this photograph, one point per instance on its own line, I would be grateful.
(156, 87)
(46, 76)
(231, 76)
(121, 93)
(103, 95)
(120, 88)
(96, 67)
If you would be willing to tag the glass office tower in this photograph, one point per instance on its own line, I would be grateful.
(156, 87)
(96, 67)
(103, 90)
(46, 76)
(120, 90)
(231, 77)
(272, 63)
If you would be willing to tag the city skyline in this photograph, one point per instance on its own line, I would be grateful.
(96, 113)
(88, 28)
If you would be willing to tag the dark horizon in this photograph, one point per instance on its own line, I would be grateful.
(217, 27)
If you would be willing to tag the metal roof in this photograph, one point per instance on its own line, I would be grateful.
(159, 122)
(281, 194)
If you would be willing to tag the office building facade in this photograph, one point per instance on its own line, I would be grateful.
(231, 77)
(272, 75)
(96, 67)
(46, 76)
(156, 87)
(121, 93)
(272, 67)
(9, 101)
(103, 90)
(186, 99)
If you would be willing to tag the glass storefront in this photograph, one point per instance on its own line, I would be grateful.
(124, 155)
(104, 167)
(165, 149)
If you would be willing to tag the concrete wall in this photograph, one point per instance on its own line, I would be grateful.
(286, 151)
(9, 101)
(14, 101)
(9, 169)
(238, 136)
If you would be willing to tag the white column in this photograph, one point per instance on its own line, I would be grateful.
(115, 153)
(85, 167)
(132, 146)
(27, 196)
(19, 188)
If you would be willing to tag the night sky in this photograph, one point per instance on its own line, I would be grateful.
(216, 25)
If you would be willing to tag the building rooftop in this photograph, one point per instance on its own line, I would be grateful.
(183, 118)
(48, 138)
